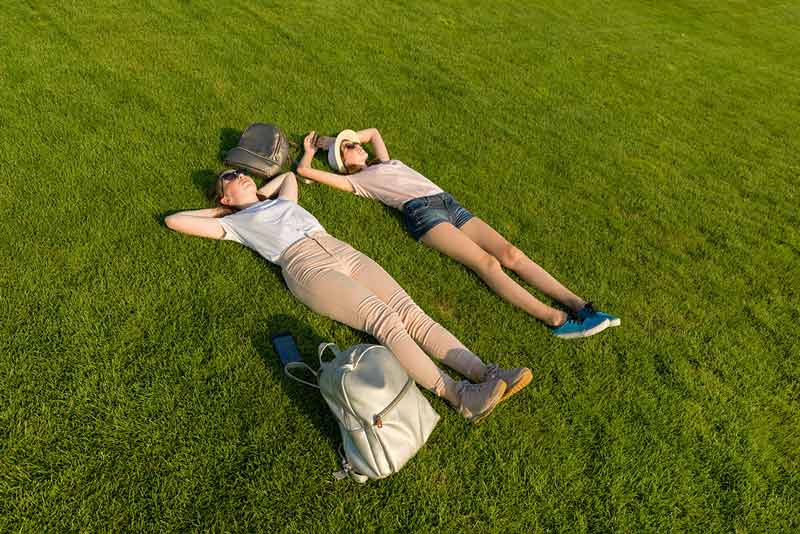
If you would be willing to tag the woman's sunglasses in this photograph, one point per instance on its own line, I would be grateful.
(230, 175)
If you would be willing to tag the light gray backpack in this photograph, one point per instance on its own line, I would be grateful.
(383, 417)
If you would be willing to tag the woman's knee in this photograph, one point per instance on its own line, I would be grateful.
(415, 320)
(379, 320)
(510, 256)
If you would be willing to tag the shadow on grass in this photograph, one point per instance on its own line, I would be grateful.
(296, 150)
(228, 138)
(305, 398)
(397, 215)
(205, 180)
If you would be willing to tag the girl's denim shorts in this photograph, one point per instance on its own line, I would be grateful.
(423, 213)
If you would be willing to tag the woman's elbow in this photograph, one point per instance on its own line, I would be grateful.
(171, 221)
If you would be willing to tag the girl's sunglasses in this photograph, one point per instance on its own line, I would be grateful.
(349, 146)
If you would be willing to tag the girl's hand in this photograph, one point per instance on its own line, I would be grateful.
(310, 142)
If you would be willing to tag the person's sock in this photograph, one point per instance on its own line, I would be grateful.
(447, 388)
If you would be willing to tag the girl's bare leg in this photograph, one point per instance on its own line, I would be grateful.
(512, 258)
(451, 241)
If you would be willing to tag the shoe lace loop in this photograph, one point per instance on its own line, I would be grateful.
(587, 311)
(491, 371)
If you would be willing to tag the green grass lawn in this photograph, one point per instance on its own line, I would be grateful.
(645, 153)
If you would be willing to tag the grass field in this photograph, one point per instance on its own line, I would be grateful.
(645, 153)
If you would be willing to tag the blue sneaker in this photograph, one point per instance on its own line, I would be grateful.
(580, 328)
(589, 310)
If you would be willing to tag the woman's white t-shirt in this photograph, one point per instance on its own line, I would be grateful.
(270, 227)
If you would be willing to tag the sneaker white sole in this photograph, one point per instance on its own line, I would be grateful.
(615, 322)
(586, 333)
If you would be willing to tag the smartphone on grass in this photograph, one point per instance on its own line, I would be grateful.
(286, 347)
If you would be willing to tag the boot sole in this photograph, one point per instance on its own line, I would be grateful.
(480, 417)
(517, 387)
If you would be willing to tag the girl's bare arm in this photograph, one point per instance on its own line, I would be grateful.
(328, 178)
(373, 136)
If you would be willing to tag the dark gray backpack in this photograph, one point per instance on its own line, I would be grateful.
(262, 150)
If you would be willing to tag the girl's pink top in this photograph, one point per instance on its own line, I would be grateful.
(392, 182)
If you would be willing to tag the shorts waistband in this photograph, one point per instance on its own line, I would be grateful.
(443, 195)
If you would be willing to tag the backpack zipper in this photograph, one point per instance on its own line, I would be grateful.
(271, 158)
(378, 419)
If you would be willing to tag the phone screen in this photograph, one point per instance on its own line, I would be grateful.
(286, 348)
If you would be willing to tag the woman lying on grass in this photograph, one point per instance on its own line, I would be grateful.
(439, 221)
(337, 281)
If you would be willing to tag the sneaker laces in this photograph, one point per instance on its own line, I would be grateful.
(588, 310)
(469, 386)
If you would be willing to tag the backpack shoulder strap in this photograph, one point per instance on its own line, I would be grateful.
(287, 369)
(293, 366)
(321, 350)
(347, 470)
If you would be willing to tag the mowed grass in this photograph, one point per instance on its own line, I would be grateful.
(645, 153)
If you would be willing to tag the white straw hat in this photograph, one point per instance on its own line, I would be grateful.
(335, 150)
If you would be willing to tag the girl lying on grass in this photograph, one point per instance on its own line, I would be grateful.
(337, 281)
(439, 221)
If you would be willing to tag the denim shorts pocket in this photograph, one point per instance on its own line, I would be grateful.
(415, 208)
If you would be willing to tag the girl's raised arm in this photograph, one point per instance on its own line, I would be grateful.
(372, 135)
(200, 223)
(328, 178)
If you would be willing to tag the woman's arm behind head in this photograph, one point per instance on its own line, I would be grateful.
(283, 186)
(200, 223)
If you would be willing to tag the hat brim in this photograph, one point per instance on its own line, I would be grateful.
(335, 150)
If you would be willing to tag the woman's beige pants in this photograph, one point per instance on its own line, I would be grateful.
(335, 280)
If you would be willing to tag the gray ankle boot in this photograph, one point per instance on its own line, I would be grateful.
(515, 379)
(476, 401)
